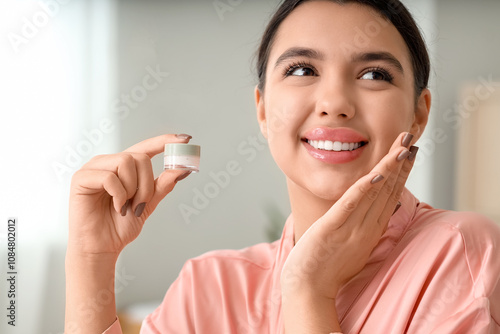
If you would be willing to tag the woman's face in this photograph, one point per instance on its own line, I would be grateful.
(338, 77)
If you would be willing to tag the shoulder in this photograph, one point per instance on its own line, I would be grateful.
(259, 257)
(465, 237)
(457, 256)
(472, 227)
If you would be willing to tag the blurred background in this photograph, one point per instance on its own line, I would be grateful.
(81, 78)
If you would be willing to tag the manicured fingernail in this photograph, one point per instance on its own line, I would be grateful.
(397, 208)
(413, 154)
(139, 209)
(182, 176)
(377, 178)
(405, 154)
(124, 208)
(183, 136)
(407, 140)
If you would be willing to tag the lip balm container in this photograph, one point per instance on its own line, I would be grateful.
(182, 156)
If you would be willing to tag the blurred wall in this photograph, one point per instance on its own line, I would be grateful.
(467, 50)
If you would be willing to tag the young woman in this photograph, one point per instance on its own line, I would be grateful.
(342, 97)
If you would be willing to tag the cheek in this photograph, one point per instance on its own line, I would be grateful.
(284, 115)
(392, 113)
(393, 116)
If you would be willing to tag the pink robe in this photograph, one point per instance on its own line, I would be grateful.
(433, 272)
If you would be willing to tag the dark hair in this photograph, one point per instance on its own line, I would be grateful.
(392, 10)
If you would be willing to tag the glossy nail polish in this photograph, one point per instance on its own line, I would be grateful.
(139, 209)
(407, 140)
(397, 208)
(183, 136)
(405, 154)
(124, 208)
(413, 154)
(182, 176)
(377, 179)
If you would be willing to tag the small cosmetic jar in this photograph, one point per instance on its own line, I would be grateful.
(182, 156)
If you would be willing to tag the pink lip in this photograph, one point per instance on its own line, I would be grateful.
(344, 135)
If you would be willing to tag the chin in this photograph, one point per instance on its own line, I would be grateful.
(328, 194)
(326, 191)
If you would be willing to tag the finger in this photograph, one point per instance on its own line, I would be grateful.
(339, 213)
(387, 167)
(374, 218)
(400, 184)
(164, 184)
(156, 145)
(386, 196)
(94, 181)
(385, 172)
(145, 183)
(377, 206)
(122, 164)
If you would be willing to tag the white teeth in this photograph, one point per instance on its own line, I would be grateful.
(333, 146)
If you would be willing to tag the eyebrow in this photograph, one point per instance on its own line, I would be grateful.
(384, 56)
(299, 52)
(295, 52)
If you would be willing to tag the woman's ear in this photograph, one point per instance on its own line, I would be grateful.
(422, 110)
(261, 111)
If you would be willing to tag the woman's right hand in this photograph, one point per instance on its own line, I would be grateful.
(112, 196)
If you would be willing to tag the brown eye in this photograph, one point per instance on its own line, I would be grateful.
(377, 74)
(302, 71)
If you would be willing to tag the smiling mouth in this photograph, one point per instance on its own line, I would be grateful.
(336, 146)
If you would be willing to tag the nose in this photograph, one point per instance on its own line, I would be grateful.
(335, 99)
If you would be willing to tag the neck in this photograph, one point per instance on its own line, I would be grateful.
(306, 208)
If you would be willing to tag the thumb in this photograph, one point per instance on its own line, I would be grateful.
(165, 183)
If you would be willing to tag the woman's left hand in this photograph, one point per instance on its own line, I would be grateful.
(337, 246)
